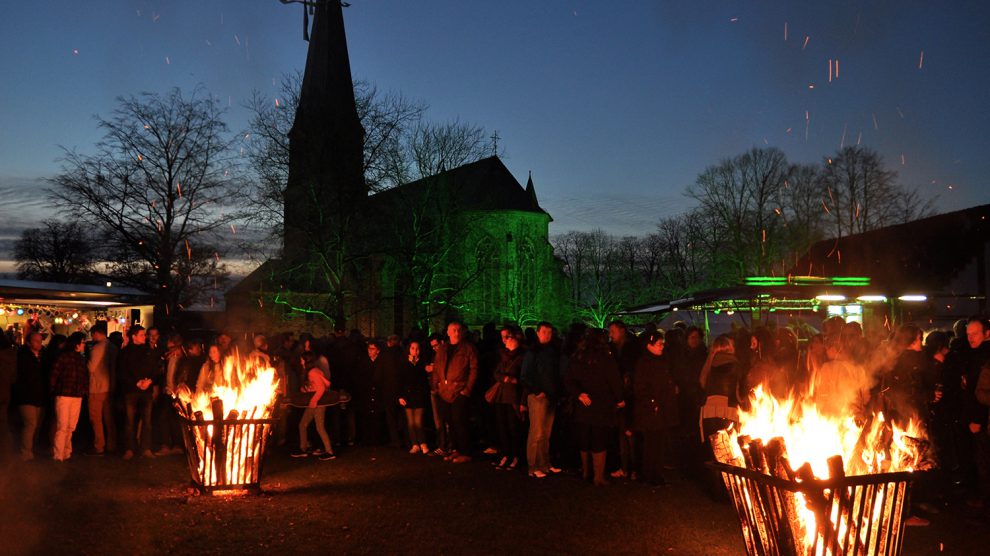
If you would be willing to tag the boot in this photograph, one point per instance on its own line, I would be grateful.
(586, 466)
(598, 459)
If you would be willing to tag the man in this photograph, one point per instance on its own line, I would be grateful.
(388, 374)
(541, 385)
(626, 351)
(30, 391)
(137, 368)
(455, 370)
(69, 382)
(102, 365)
(8, 366)
(976, 395)
(443, 439)
(168, 430)
(259, 356)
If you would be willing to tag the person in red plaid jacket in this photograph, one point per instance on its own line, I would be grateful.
(69, 383)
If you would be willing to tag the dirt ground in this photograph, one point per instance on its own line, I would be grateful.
(376, 501)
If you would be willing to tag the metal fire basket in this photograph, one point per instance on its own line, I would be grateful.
(854, 515)
(227, 455)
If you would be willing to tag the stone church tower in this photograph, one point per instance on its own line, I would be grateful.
(326, 168)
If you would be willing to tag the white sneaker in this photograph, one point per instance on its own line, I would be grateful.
(414, 449)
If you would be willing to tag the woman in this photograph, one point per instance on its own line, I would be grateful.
(212, 372)
(69, 383)
(507, 400)
(593, 380)
(655, 406)
(720, 380)
(415, 396)
(317, 384)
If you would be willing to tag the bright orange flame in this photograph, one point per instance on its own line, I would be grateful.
(247, 392)
(812, 436)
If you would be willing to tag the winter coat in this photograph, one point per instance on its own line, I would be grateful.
(31, 383)
(415, 384)
(654, 394)
(137, 362)
(70, 375)
(507, 376)
(540, 373)
(599, 378)
(455, 370)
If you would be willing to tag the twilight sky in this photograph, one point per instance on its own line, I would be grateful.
(614, 106)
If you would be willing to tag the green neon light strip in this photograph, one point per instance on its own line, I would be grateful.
(292, 308)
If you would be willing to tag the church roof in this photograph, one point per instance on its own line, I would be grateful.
(478, 186)
(924, 255)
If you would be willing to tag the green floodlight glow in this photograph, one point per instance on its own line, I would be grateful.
(807, 280)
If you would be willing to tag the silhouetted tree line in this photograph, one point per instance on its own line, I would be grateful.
(755, 215)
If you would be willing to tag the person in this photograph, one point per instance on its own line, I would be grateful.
(259, 357)
(168, 429)
(212, 372)
(8, 370)
(507, 400)
(540, 377)
(138, 368)
(30, 392)
(439, 422)
(190, 364)
(388, 377)
(313, 394)
(415, 396)
(69, 382)
(720, 380)
(655, 403)
(102, 366)
(626, 350)
(593, 379)
(977, 402)
(687, 372)
(455, 370)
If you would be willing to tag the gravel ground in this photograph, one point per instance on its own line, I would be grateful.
(376, 501)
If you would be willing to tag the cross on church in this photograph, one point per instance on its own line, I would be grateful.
(308, 7)
(494, 139)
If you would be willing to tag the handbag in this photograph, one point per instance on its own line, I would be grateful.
(492, 392)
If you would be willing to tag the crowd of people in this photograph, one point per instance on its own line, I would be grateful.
(611, 403)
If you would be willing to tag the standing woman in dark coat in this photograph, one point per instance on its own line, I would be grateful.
(593, 380)
(507, 401)
(414, 396)
(655, 406)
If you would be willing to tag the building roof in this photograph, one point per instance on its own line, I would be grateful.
(920, 256)
(33, 292)
(478, 186)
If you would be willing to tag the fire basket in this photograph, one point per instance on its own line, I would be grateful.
(857, 515)
(226, 454)
(226, 425)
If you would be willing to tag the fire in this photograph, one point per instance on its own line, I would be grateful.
(812, 437)
(796, 440)
(241, 402)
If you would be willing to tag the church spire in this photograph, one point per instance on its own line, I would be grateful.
(531, 190)
(326, 142)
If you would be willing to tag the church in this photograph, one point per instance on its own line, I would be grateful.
(470, 243)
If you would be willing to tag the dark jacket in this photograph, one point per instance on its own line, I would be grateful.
(70, 375)
(599, 378)
(654, 394)
(31, 383)
(188, 371)
(8, 371)
(455, 370)
(137, 362)
(723, 378)
(415, 384)
(507, 375)
(388, 373)
(540, 372)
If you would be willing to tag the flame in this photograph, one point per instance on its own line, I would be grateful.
(247, 391)
(814, 433)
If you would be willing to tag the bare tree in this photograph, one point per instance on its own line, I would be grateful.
(56, 252)
(159, 190)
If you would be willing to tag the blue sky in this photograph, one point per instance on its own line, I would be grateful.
(614, 106)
